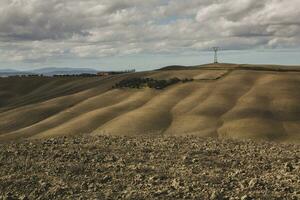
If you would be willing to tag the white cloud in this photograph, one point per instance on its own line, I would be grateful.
(35, 30)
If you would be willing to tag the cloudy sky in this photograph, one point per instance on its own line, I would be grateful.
(146, 34)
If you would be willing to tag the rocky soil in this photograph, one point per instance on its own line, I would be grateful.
(108, 167)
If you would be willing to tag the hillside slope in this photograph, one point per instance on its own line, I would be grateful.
(224, 100)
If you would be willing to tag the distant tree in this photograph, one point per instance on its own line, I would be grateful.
(148, 82)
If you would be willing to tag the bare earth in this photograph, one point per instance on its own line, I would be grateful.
(224, 101)
(111, 167)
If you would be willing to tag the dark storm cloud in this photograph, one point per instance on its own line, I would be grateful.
(37, 29)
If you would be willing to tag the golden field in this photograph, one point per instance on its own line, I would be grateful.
(224, 101)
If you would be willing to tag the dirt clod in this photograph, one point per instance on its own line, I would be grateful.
(109, 167)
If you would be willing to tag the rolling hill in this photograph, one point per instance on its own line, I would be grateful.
(223, 100)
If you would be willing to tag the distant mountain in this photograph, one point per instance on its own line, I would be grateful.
(54, 70)
(8, 70)
(7, 73)
(48, 71)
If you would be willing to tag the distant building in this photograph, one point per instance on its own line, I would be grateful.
(115, 72)
(103, 73)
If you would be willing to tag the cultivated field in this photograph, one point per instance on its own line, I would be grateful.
(111, 167)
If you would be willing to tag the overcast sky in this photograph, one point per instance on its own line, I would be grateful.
(146, 34)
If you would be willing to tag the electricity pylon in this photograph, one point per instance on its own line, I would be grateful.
(216, 49)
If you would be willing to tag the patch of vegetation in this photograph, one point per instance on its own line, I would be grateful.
(149, 82)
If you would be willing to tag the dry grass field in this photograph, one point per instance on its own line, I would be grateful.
(223, 101)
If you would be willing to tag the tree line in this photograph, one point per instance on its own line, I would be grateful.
(148, 82)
